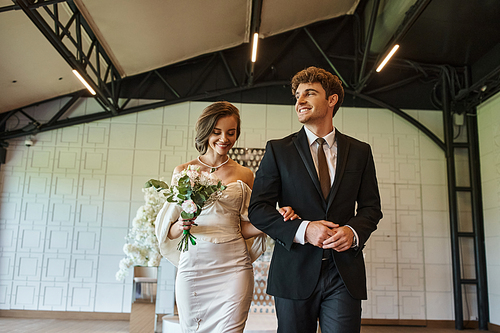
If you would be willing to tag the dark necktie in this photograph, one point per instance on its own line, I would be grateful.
(324, 175)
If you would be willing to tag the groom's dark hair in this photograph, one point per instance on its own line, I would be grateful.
(331, 83)
(208, 119)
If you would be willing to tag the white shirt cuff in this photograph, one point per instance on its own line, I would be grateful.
(300, 235)
(355, 243)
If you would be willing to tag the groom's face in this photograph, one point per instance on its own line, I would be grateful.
(312, 105)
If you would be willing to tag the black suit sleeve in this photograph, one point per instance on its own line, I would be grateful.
(266, 194)
(368, 211)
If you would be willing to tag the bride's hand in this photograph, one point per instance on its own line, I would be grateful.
(288, 213)
(177, 227)
(185, 224)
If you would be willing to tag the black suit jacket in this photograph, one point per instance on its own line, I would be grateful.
(287, 176)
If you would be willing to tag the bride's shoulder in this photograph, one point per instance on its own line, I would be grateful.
(245, 175)
(184, 166)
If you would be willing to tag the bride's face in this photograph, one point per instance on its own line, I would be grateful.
(223, 135)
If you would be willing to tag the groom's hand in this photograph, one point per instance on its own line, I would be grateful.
(317, 232)
(341, 239)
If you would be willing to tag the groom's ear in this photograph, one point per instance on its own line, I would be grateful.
(332, 100)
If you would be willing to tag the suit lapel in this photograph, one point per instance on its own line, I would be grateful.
(342, 152)
(302, 145)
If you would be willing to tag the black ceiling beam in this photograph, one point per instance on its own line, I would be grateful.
(205, 78)
(82, 57)
(76, 61)
(9, 8)
(402, 114)
(34, 4)
(162, 79)
(65, 108)
(254, 28)
(394, 85)
(137, 89)
(410, 18)
(105, 115)
(228, 69)
(278, 54)
(327, 59)
(204, 74)
(369, 38)
(7, 116)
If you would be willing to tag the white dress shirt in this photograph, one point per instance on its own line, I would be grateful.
(330, 149)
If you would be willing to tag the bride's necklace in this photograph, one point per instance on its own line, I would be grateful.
(213, 168)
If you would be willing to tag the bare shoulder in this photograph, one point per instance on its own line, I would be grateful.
(246, 175)
(184, 166)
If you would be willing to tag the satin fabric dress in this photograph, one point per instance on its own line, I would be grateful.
(214, 283)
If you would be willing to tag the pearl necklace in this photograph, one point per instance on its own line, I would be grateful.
(213, 168)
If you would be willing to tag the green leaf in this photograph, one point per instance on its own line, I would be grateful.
(158, 184)
(187, 216)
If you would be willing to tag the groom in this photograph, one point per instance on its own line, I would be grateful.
(317, 270)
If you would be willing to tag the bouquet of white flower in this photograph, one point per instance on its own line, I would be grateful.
(192, 189)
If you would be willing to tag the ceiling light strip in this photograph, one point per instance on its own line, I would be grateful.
(92, 91)
(389, 56)
(254, 47)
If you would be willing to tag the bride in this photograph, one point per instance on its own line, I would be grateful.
(214, 283)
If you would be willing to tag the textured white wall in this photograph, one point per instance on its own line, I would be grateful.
(68, 201)
(489, 147)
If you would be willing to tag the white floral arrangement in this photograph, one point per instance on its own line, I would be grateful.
(142, 247)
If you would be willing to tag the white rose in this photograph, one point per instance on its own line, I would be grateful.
(189, 206)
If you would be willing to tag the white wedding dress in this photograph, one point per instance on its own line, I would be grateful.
(214, 284)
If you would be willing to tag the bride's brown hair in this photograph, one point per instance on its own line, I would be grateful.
(208, 119)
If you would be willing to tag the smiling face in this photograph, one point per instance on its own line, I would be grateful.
(224, 135)
(312, 106)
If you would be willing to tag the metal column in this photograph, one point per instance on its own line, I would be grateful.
(466, 212)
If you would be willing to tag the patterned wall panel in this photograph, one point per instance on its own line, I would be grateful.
(122, 135)
(385, 305)
(94, 161)
(88, 213)
(8, 238)
(166, 286)
(61, 212)
(112, 241)
(148, 137)
(12, 184)
(411, 305)
(116, 214)
(67, 160)
(56, 267)
(53, 296)
(81, 297)
(28, 267)
(91, 187)
(146, 163)
(31, 239)
(67, 201)
(83, 268)
(86, 240)
(5, 294)
(96, 135)
(120, 161)
(70, 136)
(109, 298)
(7, 263)
(24, 295)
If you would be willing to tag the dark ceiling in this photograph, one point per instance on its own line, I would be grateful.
(457, 41)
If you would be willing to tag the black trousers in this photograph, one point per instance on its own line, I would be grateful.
(330, 302)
